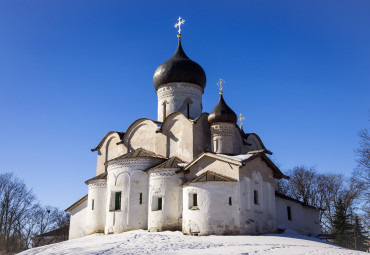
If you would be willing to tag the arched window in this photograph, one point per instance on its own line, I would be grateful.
(164, 110)
(185, 108)
(217, 145)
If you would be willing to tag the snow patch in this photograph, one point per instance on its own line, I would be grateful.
(143, 242)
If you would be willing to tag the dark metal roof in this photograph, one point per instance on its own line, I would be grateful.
(56, 232)
(179, 68)
(211, 176)
(98, 177)
(240, 161)
(170, 163)
(222, 113)
(278, 194)
(140, 153)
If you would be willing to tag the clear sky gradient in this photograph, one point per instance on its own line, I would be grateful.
(70, 71)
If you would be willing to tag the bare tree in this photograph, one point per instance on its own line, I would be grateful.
(48, 218)
(22, 217)
(15, 202)
(320, 190)
(361, 175)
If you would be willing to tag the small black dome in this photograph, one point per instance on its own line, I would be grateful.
(222, 113)
(179, 68)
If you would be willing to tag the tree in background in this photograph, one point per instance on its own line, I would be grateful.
(361, 175)
(16, 200)
(22, 216)
(359, 235)
(341, 226)
(320, 190)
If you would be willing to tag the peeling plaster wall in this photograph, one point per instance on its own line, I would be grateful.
(78, 221)
(176, 96)
(215, 216)
(304, 220)
(128, 177)
(257, 218)
(96, 216)
(165, 183)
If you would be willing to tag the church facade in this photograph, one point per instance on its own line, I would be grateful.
(190, 171)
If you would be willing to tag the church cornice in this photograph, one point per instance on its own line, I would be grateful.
(120, 135)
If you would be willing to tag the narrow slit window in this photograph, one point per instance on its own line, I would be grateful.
(188, 110)
(117, 201)
(164, 110)
(141, 198)
(159, 203)
(195, 199)
(230, 201)
(92, 204)
(256, 197)
(289, 213)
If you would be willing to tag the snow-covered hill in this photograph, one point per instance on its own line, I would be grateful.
(143, 242)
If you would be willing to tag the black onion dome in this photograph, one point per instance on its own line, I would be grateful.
(179, 68)
(222, 113)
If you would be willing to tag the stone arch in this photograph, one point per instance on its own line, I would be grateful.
(142, 133)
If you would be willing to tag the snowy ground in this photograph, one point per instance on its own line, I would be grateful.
(143, 242)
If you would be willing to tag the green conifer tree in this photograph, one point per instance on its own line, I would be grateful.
(341, 227)
(359, 235)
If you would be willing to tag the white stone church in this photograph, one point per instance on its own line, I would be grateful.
(190, 171)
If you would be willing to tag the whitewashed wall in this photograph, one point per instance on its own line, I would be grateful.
(96, 216)
(305, 220)
(165, 183)
(257, 218)
(78, 221)
(128, 177)
(215, 216)
(176, 96)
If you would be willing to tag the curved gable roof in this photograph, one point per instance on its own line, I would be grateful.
(171, 117)
(245, 136)
(158, 123)
(120, 135)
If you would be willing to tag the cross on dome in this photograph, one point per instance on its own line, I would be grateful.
(220, 84)
(181, 21)
(241, 120)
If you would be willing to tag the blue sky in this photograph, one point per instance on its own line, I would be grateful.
(70, 71)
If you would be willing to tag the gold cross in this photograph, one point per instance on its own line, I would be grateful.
(241, 120)
(181, 21)
(220, 84)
